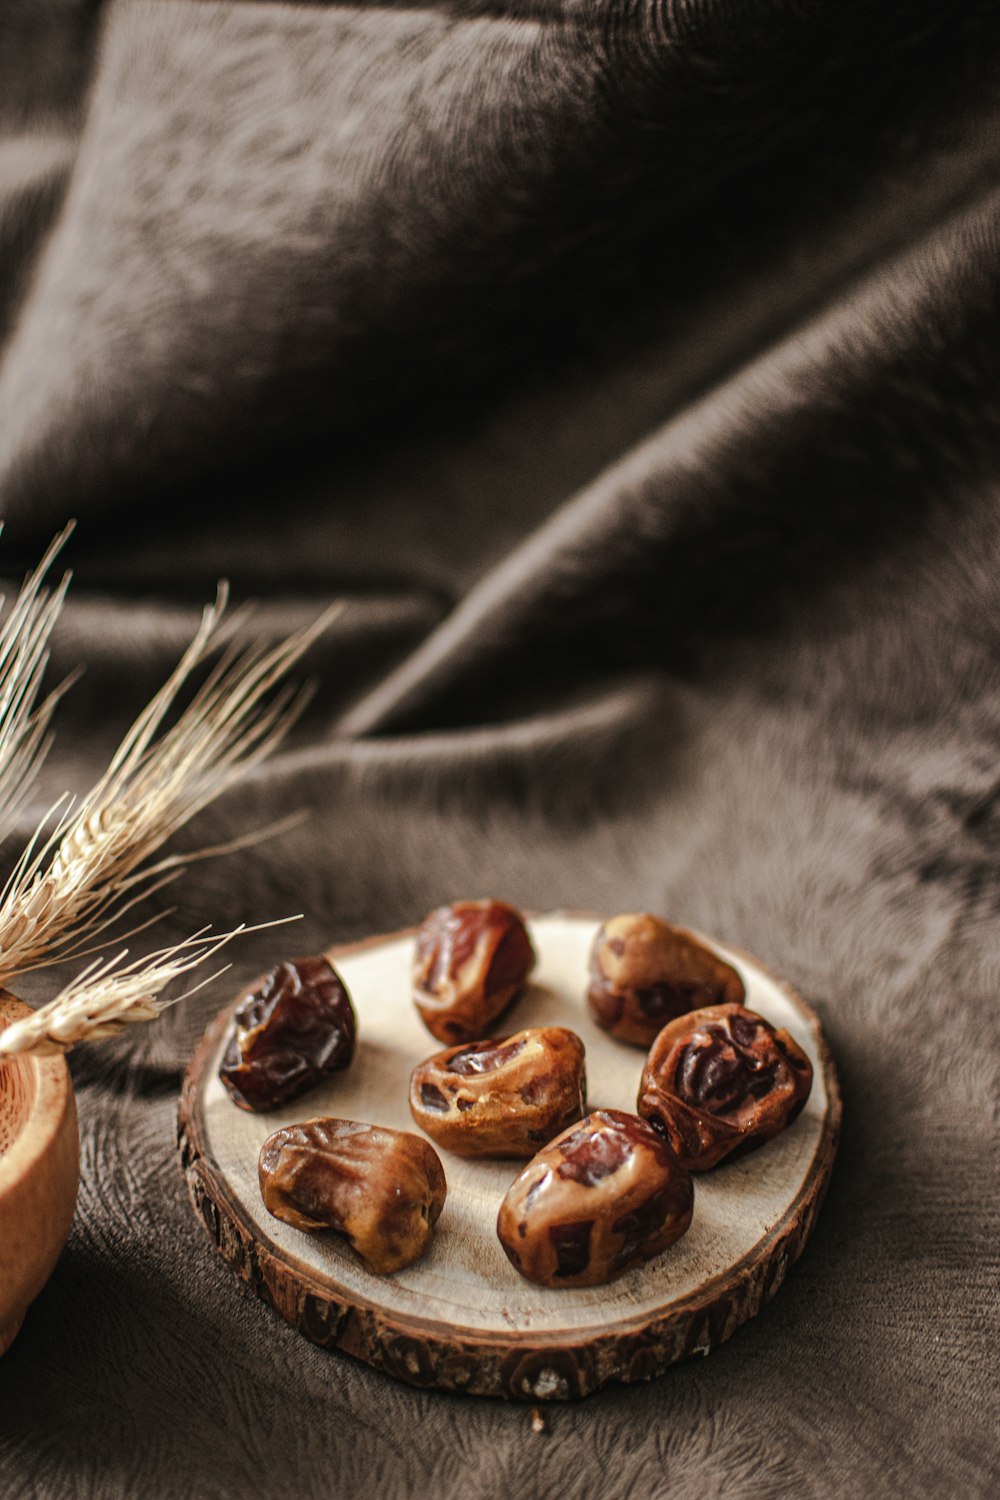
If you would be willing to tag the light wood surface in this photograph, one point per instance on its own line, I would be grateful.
(39, 1174)
(462, 1318)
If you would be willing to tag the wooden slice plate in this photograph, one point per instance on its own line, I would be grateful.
(462, 1319)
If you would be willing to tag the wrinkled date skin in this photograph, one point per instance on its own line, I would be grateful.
(471, 961)
(605, 1195)
(644, 972)
(501, 1098)
(382, 1189)
(722, 1080)
(290, 1033)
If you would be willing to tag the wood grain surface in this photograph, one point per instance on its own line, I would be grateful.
(461, 1319)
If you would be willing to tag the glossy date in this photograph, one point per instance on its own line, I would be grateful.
(501, 1098)
(471, 961)
(722, 1080)
(382, 1189)
(606, 1195)
(295, 1029)
(645, 972)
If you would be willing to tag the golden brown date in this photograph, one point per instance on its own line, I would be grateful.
(471, 961)
(295, 1029)
(722, 1080)
(382, 1189)
(644, 972)
(605, 1195)
(501, 1098)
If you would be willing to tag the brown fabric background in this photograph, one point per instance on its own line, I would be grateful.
(632, 370)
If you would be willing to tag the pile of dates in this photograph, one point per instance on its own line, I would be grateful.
(601, 1192)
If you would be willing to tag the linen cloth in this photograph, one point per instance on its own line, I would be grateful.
(631, 371)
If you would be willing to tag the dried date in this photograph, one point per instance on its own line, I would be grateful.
(501, 1098)
(606, 1195)
(294, 1030)
(722, 1080)
(382, 1189)
(472, 960)
(645, 972)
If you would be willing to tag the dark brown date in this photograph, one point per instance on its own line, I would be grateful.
(382, 1189)
(291, 1032)
(644, 973)
(501, 1098)
(471, 961)
(722, 1080)
(605, 1195)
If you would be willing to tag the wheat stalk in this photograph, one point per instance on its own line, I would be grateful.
(96, 863)
(111, 994)
(24, 655)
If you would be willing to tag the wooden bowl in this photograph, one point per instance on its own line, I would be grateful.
(39, 1173)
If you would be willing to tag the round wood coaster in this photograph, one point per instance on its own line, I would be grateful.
(462, 1319)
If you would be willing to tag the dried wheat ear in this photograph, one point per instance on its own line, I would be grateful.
(89, 862)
